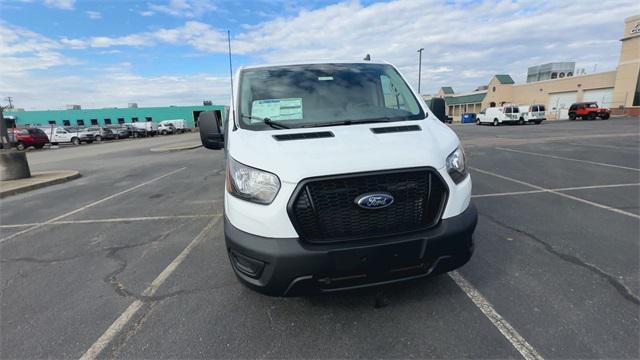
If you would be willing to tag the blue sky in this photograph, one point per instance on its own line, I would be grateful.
(164, 52)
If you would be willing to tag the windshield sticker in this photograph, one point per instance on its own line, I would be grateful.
(325, 78)
(277, 109)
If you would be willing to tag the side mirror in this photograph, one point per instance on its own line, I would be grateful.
(211, 133)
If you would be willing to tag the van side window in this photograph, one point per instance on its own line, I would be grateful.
(541, 108)
(516, 110)
(60, 131)
(392, 97)
(507, 110)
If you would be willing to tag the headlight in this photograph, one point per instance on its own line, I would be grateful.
(251, 184)
(456, 166)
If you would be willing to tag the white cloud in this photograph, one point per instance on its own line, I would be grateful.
(113, 87)
(94, 15)
(61, 4)
(23, 50)
(197, 34)
(183, 8)
(147, 13)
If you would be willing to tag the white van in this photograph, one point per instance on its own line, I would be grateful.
(180, 125)
(338, 177)
(533, 113)
(498, 115)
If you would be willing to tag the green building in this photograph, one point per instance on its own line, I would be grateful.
(109, 116)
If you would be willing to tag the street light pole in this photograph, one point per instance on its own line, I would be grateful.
(419, 68)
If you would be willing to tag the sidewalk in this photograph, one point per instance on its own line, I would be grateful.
(36, 181)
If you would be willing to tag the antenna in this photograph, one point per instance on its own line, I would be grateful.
(233, 107)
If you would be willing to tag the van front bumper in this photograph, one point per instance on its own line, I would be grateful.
(291, 267)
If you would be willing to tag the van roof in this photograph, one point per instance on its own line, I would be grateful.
(311, 63)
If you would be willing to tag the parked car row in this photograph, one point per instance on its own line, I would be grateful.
(512, 114)
(522, 114)
(38, 137)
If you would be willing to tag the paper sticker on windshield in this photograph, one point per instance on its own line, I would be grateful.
(277, 109)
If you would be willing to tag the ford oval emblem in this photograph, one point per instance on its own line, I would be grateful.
(374, 200)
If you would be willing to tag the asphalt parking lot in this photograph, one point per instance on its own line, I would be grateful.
(129, 261)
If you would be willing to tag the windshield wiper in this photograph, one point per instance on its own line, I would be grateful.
(273, 124)
(352, 122)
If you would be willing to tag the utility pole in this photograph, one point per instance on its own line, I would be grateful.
(10, 100)
(419, 68)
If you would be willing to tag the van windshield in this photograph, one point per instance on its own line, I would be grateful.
(316, 95)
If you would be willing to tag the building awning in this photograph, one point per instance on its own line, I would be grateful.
(465, 99)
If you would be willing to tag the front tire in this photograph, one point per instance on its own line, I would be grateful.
(496, 122)
(572, 117)
(75, 141)
(605, 117)
(521, 121)
(20, 146)
(478, 122)
(39, 146)
(98, 138)
(164, 132)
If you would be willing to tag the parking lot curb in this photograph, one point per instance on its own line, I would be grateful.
(37, 180)
(176, 147)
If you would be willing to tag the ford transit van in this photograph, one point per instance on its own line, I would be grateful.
(338, 176)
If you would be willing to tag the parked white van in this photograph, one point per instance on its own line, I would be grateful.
(179, 124)
(533, 113)
(338, 177)
(498, 115)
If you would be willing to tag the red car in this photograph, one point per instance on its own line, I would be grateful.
(588, 111)
(23, 138)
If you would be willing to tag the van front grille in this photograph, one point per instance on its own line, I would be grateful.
(324, 210)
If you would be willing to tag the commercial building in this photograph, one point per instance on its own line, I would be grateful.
(75, 116)
(549, 71)
(618, 89)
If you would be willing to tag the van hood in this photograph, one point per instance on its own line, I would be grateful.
(353, 148)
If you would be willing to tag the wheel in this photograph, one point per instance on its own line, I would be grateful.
(478, 122)
(39, 146)
(20, 146)
(604, 117)
(75, 141)
(98, 138)
(537, 122)
(164, 132)
(117, 137)
(572, 116)
(521, 121)
(495, 122)
(591, 116)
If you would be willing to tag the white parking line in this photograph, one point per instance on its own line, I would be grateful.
(552, 190)
(88, 206)
(113, 220)
(511, 334)
(569, 159)
(119, 324)
(630, 148)
(558, 193)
